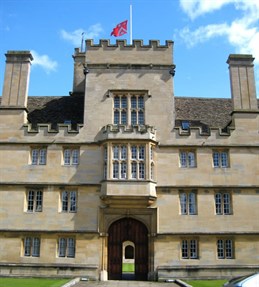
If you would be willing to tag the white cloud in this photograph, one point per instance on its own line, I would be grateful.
(202, 34)
(44, 61)
(195, 8)
(242, 33)
(75, 37)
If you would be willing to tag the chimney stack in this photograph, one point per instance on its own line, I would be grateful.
(243, 91)
(13, 108)
(16, 80)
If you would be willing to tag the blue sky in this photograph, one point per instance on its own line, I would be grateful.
(204, 32)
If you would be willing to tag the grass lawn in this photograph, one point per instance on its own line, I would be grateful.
(32, 282)
(207, 283)
(128, 267)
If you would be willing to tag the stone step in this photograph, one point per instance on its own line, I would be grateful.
(113, 283)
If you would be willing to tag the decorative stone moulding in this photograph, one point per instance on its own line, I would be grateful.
(129, 66)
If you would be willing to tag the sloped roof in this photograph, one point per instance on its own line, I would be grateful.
(210, 112)
(56, 110)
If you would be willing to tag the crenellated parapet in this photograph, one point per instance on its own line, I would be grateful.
(48, 129)
(105, 43)
(199, 131)
(136, 53)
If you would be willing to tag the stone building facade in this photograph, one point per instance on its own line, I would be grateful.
(121, 179)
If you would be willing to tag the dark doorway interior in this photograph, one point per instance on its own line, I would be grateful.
(127, 229)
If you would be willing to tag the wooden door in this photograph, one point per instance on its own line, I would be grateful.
(131, 230)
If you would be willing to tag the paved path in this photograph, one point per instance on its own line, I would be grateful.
(112, 283)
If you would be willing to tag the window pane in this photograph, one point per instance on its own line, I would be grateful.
(115, 169)
(116, 117)
(72, 201)
(220, 249)
(141, 118)
(123, 117)
(67, 153)
(133, 118)
(123, 170)
(191, 159)
(226, 199)
(62, 247)
(151, 152)
(30, 200)
(185, 125)
(229, 249)
(64, 201)
(34, 156)
(141, 154)
(192, 203)
(224, 159)
(71, 247)
(141, 102)
(133, 170)
(36, 247)
(193, 249)
(105, 170)
(42, 159)
(218, 203)
(75, 156)
(39, 201)
(141, 170)
(183, 203)
(123, 152)
(134, 152)
(133, 102)
(124, 102)
(183, 159)
(216, 159)
(117, 102)
(27, 246)
(116, 152)
(184, 249)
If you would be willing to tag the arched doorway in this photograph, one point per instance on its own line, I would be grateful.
(127, 230)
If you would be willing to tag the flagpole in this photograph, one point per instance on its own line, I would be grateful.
(130, 24)
(82, 42)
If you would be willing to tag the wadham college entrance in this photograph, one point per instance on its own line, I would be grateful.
(127, 250)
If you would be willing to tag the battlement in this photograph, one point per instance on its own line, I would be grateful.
(47, 129)
(137, 52)
(199, 132)
(105, 43)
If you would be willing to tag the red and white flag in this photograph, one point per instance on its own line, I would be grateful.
(120, 29)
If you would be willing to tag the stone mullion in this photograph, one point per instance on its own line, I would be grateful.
(109, 161)
(128, 161)
(128, 110)
(147, 161)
